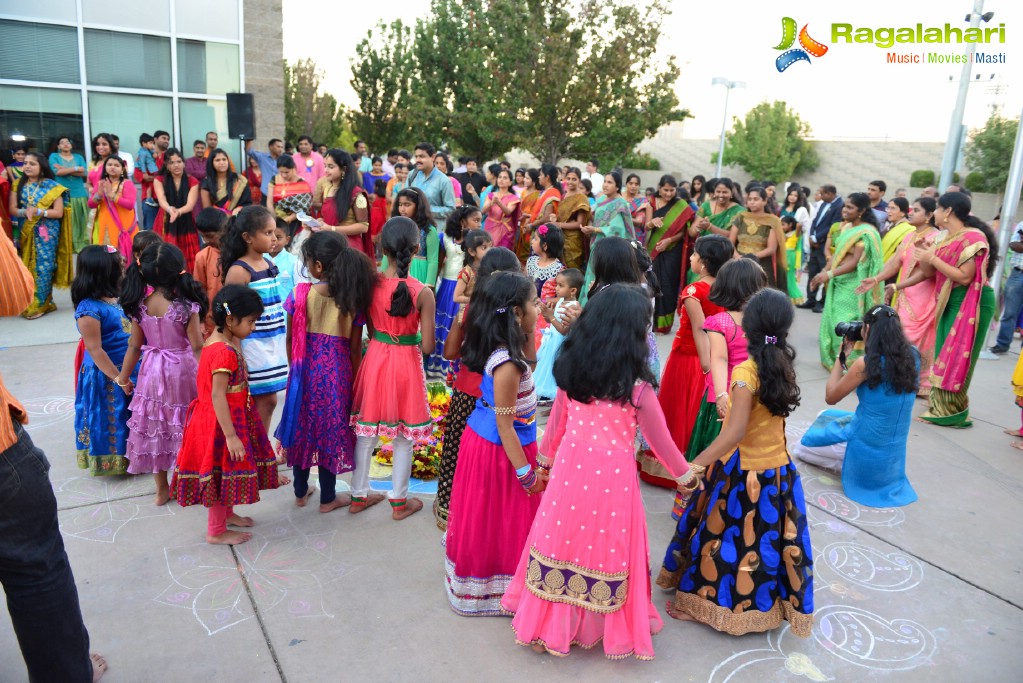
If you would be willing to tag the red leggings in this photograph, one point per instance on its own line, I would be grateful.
(216, 523)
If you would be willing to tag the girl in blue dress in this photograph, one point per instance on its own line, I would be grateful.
(101, 408)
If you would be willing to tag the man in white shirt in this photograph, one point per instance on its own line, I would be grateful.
(128, 160)
(596, 179)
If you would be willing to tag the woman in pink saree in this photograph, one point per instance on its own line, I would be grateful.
(501, 210)
(912, 294)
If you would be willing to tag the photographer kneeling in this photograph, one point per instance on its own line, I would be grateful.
(885, 380)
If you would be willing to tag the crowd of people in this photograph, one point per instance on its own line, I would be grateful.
(348, 281)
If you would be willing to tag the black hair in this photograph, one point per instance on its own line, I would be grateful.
(376, 159)
(471, 241)
(453, 225)
(511, 178)
(97, 274)
(587, 186)
(605, 352)
(766, 321)
(305, 137)
(96, 158)
(146, 137)
(800, 197)
(424, 216)
(491, 322)
(617, 178)
(534, 175)
(575, 279)
(879, 184)
(399, 240)
(499, 259)
(211, 173)
(284, 226)
(736, 282)
(550, 171)
(791, 220)
(631, 176)
(552, 239)
(900, 202)
(232, 244)
(162, 267)
(211, 220)
(758, 189)
(646, 266)
(890, 359)
(44, 172)
(286, 161)
(144, 239)
(667, 179)
(448, 168)
(124, 168)
(240, 300)
(158, 134)
(862, 202)
(928, 204)
(703, 186)
(164, 171)
(715, 251)
(426, 147)
(349, 181)
(198, 142)
(470, 160)
(961, 206)
(494, 169)
(614, 260)
(349, 274)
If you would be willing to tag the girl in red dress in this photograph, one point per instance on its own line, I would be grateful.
(683, 383)
(225, 456)
(390, 389)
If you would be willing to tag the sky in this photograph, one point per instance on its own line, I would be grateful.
(850, 92)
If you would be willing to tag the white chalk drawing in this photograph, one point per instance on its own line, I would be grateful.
(825, 491)
(44, 411)
(764, 663)
(871, 641)
(869, 567)
(285, 569)
(102, 506)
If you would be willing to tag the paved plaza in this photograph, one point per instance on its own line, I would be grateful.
(928, 592)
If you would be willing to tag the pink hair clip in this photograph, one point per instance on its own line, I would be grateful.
(542, 229)
(111, 249)
(770, 340)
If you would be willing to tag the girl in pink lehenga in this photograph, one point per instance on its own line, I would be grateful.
(584, 573)
(912, 294)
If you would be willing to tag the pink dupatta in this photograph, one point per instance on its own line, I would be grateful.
(953, 362)
(124, 237)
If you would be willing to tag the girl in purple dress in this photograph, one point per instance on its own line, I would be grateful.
(325, 323)
(165, 306)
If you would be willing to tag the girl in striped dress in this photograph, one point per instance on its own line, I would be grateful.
(244, 261)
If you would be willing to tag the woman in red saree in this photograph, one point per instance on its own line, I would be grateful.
(344, 205)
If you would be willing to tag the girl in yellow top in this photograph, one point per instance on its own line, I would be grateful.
(753, 565)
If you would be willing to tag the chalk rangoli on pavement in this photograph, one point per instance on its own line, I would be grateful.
(102, 506)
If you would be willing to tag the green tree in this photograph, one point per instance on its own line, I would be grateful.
(989, 151)
(770, 143)
(383, 71)
(308, 111)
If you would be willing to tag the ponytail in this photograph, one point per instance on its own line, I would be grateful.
(232, 244)
(766, 321)
(162, 267)
(350, 280)
(187, 288)
(133, 291)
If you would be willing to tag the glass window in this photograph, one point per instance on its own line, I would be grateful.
(201, 116)
(151, 15)
(128, 116)
(57, 10)
(207, 19)
(41, 115)
(210, 68)
(127, 60)
(54, 54)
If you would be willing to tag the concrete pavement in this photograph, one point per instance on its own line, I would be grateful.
(927, 592)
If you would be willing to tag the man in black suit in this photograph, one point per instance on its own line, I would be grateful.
(829, 214)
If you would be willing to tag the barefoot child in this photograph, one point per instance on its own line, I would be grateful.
(101, 410)
(741, 560)
(492, 501)
(390, 388)
(325, 343)
(225, 457)
(589, 535)
(244, 261)
(165, 331)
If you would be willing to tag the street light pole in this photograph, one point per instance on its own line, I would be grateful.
(718, 80)
(948, 161)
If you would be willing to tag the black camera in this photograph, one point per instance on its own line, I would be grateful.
(853, 330)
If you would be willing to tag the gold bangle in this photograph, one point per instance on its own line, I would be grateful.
(504, 411)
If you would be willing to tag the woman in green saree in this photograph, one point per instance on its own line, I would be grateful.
(612, 217)
(961, 265)
(669, 222)
(716, 215)
(857, 257)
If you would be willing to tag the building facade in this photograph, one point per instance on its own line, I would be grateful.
(82, 67)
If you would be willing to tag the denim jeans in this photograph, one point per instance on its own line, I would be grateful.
(34, 569)
(327, 481)
(149, 216)
(1011, 308)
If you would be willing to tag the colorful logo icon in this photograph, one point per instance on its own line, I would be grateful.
(808, 46)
